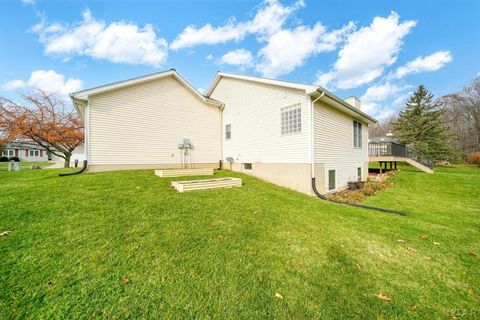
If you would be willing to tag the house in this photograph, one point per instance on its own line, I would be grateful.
(26, 150)
(284, 132)
(287, 133)
(389, 137)
(151, 122)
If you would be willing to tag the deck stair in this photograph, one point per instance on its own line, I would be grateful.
(391, 152)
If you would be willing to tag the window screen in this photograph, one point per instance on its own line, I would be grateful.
(357, 134)
(331, 180)
(228, 131)
(359, 173)
(291, 119)
(247, 166)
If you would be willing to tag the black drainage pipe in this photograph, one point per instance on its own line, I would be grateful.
(63, 174)
(314, 187)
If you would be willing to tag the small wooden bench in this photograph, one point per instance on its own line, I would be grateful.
(184, 172)
(183, 186)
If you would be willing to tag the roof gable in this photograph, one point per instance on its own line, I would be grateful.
(286, 84)
(85, 94)
(311, 90)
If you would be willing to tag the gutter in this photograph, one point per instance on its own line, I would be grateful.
(312, 159)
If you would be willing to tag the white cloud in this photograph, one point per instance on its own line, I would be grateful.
(367, 52)
(381, 92)
(431, 62)
(378, 93)
(13, 85)
(269, 18)
(28, 1)
(120, 42)
(238, 57)
(47, 80)
(289, 48)
(209, 57)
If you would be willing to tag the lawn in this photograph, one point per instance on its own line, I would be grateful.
(26, 165)
(125, 245)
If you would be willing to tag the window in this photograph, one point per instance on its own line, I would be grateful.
(8, 153)
(228, 132)
(291, 119)
(34, 153)
(247, 166)
(359, 173)
(331, 180)
(357, 134)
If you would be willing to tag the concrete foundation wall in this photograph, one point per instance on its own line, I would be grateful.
(116, 167)
(295, 176)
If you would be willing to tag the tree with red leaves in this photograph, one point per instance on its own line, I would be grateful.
(45, 120)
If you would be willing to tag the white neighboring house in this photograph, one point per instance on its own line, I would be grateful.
(287, 133)
(26, 150)
(29, 151)
(77, 154)
(283, 132)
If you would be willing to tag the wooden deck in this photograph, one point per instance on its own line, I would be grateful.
(184, 172)
(391, 152)
(192, 185)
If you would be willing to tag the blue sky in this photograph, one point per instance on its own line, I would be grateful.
(377, 50)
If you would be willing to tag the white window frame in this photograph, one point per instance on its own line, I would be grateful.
(228, 131)
(291, 120)
(357, 134)
(9, 153)
(328, 180)
(34, 153)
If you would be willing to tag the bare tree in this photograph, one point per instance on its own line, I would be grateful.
(462, 116)
(381, 128)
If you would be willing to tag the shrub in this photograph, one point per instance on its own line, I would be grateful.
(371, 188)
(474, 158)
(3, 159)
(16, 159)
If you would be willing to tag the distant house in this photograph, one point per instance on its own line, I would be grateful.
(389, 137)
(26, 150)
(29, 151)
(284, 132)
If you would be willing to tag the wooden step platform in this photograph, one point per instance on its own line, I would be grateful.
(184, 172)
(183, 186)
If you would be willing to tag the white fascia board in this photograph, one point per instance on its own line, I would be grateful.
(286, 84)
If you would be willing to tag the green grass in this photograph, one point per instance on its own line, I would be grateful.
(224, 254)
(26, 165)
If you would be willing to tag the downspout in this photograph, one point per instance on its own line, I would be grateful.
(221, 137)
(312, 133)
(314, 186)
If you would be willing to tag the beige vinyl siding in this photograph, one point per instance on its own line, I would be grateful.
(334, 144)
(254, 112)
(144, 123)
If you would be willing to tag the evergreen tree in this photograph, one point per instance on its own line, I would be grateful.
(420, 125)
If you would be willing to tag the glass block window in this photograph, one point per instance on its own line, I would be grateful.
(291, 119)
